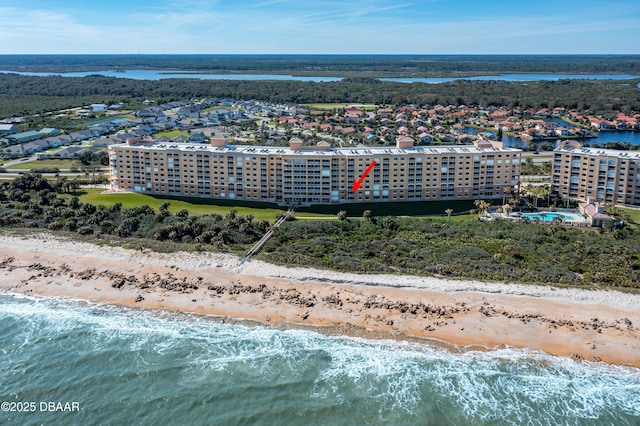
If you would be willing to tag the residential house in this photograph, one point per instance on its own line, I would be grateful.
(68, 152)
(24, 136)
(61, 140)
(190, 111)
(426, 137)
(197, 138)
(594, 213)
(81, 135)
(108, 141)
(7, 128)
(35, 146)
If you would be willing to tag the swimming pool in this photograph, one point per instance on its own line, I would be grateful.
(550, 216)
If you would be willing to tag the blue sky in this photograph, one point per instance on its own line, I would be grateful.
(315, 26)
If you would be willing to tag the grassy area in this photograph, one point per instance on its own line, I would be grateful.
(197, 206)
(128, 200)
(634, 214)
(331, 106)
(49, 163)
(172, 134)
(215, 107)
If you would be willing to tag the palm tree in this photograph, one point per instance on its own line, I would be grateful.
(482, 205)
(506, 192)
(449, 212)
(557, 220)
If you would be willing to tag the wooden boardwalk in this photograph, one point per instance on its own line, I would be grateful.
(258, 246)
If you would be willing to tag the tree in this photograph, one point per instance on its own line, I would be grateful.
(163, 210)
(342, 215)
(85, 157)
(389, 223)
(482, 205)
(116, 207)
(506, 192)
(366, 214)
(449, 212)
(74, 203)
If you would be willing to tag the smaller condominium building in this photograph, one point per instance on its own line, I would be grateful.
(606, 175)
(315, 174)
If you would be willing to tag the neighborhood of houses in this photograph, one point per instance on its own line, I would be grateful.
(185, 116)
(438, 124)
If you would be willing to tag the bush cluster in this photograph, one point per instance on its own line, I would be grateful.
(500, 251)
(34, 202)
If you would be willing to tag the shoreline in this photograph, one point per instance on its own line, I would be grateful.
(461, 315)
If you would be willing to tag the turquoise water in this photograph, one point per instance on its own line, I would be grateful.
(548, 216)
(127, 366)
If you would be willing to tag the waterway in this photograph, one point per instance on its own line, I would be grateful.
(163, 74)
(632, 138)
(602, 137)
(517, 77)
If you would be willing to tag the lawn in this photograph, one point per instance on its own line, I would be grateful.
(634, 214)
(128, 200)
(39, 164)
(332, 106)
(172, 134)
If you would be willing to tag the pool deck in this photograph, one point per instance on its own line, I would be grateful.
(570, 218)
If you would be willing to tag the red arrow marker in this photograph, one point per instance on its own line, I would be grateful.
(357, 184)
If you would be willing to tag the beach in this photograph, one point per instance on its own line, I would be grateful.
(594, 325)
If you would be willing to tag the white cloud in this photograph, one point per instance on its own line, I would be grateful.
(312, 26)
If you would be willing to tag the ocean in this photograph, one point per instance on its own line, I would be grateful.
(125, 366)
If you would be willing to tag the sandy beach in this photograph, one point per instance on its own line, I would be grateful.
(462, 314)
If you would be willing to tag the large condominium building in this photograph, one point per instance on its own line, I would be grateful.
(315, 175)
(606, 175)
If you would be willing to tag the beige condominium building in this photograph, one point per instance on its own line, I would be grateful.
(606, 175)
(315, 174)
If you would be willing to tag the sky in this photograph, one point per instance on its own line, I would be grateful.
(320, 26)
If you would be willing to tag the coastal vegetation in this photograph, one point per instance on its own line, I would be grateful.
(450, 246)
(503, 251)
(31, 201)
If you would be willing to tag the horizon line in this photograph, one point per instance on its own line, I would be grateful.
(321, 54)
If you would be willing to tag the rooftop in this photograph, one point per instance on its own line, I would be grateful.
(356, 151)
(600, 152)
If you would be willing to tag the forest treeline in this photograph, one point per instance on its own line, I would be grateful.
(340, 65)
(25, 95)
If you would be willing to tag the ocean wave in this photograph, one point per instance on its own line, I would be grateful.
(383, 380)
